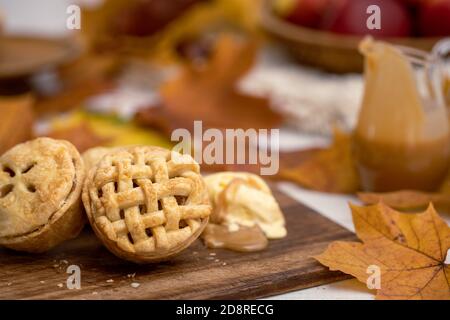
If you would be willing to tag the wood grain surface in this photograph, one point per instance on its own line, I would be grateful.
(198, 273)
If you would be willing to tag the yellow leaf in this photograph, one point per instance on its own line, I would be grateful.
(409, 249)
(116, 132)
(408, 200)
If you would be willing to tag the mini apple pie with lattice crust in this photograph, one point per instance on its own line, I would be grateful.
(40, 187)
(146, 203)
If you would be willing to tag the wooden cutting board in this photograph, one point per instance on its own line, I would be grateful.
(198, 273)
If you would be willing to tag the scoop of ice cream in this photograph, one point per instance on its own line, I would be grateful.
(244, 199)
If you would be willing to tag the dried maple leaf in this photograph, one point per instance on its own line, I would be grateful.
(133, 26)
(409, 249)
(156, 117)
(328, 170)
(208, 93)
(71, 98)
(81, 136)
(87, 76)
(16, 114)
(154, 29)
(207, 18)
(108, 131)
(408, 199)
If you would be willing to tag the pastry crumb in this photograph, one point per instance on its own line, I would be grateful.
(224, 264)
(131, 275)
(9, 283)
(217, 260)
(60, 285)
(110, 281)
(212, 253)
(42, 281)
(94, 292)
(135, 285)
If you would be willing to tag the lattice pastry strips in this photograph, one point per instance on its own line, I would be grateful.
(146, 204)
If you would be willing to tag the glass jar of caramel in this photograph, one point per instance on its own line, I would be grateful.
(402, 139)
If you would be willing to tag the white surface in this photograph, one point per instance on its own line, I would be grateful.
(344, 290)
(314, 101)
(334, 207)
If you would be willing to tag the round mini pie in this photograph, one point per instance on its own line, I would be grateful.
(40, 187)
(92, 156)
(146, 203)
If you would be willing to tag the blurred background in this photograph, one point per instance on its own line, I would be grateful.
(138, 69)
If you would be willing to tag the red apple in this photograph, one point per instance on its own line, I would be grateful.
(306, 13)
(412, 3)
(351, 18)
(434, 18)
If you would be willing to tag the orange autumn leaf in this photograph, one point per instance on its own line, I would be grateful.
(208, 92)
(85, 77)
(328, 170)
(410, 251)
(81, 136)
(408, 199)
(131, 27)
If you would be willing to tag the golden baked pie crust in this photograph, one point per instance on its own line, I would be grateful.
(145, 205)
(40, 183)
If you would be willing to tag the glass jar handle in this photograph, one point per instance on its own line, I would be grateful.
(439, 70)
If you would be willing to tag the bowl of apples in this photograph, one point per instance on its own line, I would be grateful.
(326, 33)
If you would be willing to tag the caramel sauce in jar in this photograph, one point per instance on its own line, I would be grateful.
(402, 139)
(388, 166)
